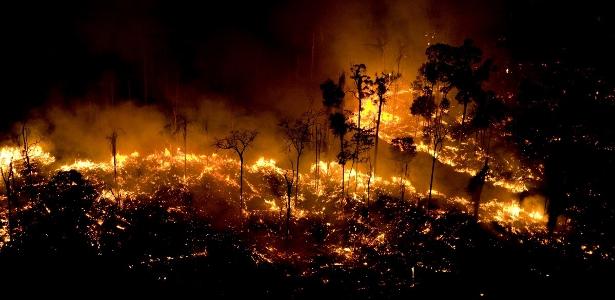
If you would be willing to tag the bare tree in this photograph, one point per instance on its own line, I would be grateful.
(238, 141)
(297, 135)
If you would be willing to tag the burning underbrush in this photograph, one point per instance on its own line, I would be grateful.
(159, 213)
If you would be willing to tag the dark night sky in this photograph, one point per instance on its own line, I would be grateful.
(247, 51)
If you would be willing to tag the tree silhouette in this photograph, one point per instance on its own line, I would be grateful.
(340, 126)
(333, 94)
(404, 150)
(113, 143)
(475, 188)
(383, 85)
(434, 112)
(363, 85)
(562, 122)
(363, 141)
(8, 178)
(182, 126)
(288, 183)
(238, 141)
(297, 134)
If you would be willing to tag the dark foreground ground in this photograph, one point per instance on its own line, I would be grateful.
(483, 272)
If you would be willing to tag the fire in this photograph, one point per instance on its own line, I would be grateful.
(140, 173)
(513, 210)
(13, 154)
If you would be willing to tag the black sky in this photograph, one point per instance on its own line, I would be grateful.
(247, 51)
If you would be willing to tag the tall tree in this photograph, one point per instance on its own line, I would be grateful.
(113, 143)
(404, 151)
(297, 134)
(363, 85)
(434, 109)
(489, 112)
(340, 126)
(383, 85)
(238, 141)
(182, 126)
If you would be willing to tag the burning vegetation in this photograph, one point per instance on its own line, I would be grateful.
(386, 184)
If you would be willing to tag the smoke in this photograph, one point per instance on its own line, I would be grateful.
(264, 56)
(134, 68)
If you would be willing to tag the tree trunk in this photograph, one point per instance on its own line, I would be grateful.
(476, 199)
(463, 117)
(403, 182)
(433, 166)
(241, 185)
(354, 158)
(297, 181)
(377, 137)
(289, 193)
(185, 147)
(316, 160)
(343, 178)
(9, 198)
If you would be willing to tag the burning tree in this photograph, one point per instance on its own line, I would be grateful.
(238, 141)
(404, 150)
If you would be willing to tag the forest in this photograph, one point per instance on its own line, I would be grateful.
(229, 158)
